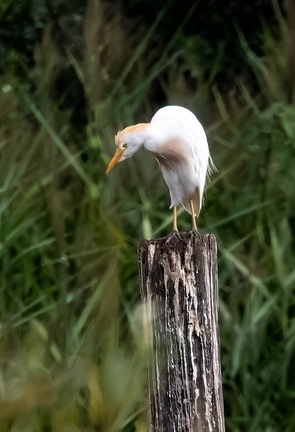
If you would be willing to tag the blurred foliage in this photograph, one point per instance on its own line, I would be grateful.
(72, 355)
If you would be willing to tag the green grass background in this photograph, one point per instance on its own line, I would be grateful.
(72, 356)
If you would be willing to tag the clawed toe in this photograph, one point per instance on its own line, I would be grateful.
(172, 236)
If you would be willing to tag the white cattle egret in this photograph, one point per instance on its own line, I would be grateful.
(179, 142)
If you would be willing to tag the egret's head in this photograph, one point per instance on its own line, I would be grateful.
(127, 143)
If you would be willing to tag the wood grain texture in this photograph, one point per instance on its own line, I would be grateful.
(179, 282)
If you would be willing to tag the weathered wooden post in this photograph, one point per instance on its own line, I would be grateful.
(179, 281)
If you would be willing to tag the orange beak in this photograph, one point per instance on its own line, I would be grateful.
(115, 159)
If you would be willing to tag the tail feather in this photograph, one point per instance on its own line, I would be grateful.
(196, 198)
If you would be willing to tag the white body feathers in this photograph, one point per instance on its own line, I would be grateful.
(184, 163)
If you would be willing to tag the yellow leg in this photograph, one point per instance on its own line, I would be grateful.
(193, 215)
(175, 219)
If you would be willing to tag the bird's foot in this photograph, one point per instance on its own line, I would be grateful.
(174, 235)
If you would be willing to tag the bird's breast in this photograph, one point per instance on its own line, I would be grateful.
(172, 154)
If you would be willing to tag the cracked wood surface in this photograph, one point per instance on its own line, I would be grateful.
(179, 283)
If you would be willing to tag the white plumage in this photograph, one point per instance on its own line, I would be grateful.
(179, 142)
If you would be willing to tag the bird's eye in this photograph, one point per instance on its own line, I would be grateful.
(124, 145)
